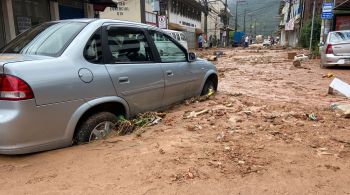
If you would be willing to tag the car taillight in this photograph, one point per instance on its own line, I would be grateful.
(329, 49)
(13, 88)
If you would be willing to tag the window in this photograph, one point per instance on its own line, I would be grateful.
(338, 37)
(49, 39)
(168, 50)
(128, 45)
(93, 48)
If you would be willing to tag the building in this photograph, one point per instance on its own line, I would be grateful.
(16, 16)
(215, 25)
(184, 15)
(142, 11)
(290, 24)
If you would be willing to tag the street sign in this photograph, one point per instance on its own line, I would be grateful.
(327, 11)
(162, 23)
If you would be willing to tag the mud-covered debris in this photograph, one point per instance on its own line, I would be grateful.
(124, 127)
(312, 117)
(328, 75)
(340, 86)
(297, 63)
(212, 58)
(343, 108)
(195, 114)
(301, 57)
(218, 53)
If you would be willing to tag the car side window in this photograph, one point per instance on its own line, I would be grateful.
(167, 49)
(93, 48)
(128, 45)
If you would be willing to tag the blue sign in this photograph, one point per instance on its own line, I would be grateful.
(327, 11)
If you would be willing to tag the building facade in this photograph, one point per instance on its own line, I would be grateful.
(16, 16)
(214, 22)
(141, 11)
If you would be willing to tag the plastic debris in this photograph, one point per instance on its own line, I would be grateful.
(329, 75)
(312, 117)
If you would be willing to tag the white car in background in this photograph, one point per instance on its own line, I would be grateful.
(179, 36)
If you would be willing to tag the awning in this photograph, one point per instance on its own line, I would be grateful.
(107, 3)
(343, 6)
(174, 26)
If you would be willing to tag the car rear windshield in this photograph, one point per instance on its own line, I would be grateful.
(48, 39)
(337, 37)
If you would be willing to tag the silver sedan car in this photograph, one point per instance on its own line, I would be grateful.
(67, 82)
(336, 50)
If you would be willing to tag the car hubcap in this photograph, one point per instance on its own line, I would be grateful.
(101, 130)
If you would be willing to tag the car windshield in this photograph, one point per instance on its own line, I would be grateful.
(48, 39)
(337, 37)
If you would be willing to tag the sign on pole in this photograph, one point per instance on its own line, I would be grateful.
(327, 11)
(162, 23)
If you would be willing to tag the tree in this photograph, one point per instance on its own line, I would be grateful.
(306, 31)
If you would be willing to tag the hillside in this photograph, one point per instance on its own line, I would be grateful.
(264, 12)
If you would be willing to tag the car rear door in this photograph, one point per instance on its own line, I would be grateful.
(341, 43)
(180, 75)
(131, 64)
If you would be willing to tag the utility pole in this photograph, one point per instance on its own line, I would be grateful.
(255, 28)
(206, 17)
(251, 24)
(236, 18)
(312, 25)
(226, 25)
(245, 11)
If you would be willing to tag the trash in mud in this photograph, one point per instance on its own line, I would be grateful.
(340, 86)
(312, 117)
(212, 58)
(301, 57)
(218, 53)
(195, 114)
(329, 75)
(147, 119)
(344, 108)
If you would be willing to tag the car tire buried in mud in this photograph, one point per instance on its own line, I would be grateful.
(95, 127)
(208, 86)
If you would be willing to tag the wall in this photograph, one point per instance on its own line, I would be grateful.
(129, 10)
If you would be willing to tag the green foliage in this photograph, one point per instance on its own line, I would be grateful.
(305, 34)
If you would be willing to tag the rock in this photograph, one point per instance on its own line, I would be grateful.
(297, 63)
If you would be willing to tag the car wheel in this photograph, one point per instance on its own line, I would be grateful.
(208, 87)
(95, 127)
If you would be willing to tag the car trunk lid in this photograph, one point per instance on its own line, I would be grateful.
(341, 49)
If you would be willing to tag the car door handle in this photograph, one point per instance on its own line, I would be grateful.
(123, 79)
(169, 73)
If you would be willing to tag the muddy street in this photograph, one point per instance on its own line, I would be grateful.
(270, 129)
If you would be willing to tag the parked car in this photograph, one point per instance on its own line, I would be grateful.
(266, 43)
(67, 82)
(179, 36)
(336, 50)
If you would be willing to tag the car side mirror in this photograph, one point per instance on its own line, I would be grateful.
(192, 57)
(321, 44)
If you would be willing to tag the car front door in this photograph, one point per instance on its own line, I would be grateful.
(179, 74)
(131, 64)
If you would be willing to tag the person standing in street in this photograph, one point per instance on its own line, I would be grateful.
(200, 41)
(246, 41)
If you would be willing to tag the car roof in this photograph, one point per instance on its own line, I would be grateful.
(111, 21)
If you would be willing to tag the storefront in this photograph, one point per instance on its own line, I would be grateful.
(70, 9)
(342, 16)
(2, 28)
(29, 13)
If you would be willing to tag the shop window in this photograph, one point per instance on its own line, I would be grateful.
(29, 13)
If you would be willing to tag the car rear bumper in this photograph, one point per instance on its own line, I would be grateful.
(332, 60)
(27, 128)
